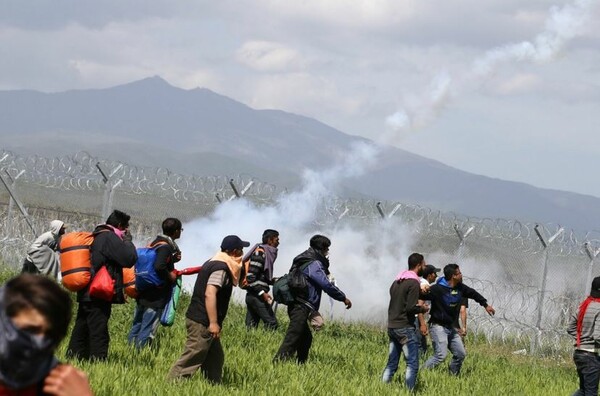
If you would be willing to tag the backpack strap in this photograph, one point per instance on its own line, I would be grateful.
(157, 244)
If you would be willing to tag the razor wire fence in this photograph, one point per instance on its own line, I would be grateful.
(534, 275)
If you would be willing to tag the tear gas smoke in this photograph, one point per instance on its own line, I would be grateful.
(562, 25)
(363, 260)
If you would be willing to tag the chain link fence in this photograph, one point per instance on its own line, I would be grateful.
(535, 275)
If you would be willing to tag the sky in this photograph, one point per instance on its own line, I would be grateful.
(503, 88)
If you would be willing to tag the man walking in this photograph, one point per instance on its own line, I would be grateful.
(152, 301)
(112, 248)
(404, 296)
(584, 326)
(314, 265)
(260, 275)
(446, 296)
(207, 311)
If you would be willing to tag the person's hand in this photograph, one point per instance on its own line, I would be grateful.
(127, 235)
(490, 310)
(424, 329)
(425, 288)
(348, 303)
(66, 380)
(173, 276)
(215, 330)
(267, 297)
(462, 332)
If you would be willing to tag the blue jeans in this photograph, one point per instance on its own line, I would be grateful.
(403, 341)
(588, 371)
(443, 338)
(145, 326)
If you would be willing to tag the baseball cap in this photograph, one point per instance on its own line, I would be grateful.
(430, 269)
(232, 242)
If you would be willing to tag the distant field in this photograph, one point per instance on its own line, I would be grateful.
(346, 359)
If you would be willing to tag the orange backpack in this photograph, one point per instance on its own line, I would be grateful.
(75, 260)
(129, 282)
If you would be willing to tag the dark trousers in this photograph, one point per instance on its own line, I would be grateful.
(29, 267)
(257, 310)
(588, 370)
(298, 338)
(90, 338)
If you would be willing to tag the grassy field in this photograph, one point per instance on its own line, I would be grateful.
(346, 359)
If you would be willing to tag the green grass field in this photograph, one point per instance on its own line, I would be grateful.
(346, 359)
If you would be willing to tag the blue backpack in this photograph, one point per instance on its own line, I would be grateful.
(145, 274)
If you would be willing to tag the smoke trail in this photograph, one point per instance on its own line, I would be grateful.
(562, 25)
(363, 258)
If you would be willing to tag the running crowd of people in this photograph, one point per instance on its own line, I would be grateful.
(35, 311)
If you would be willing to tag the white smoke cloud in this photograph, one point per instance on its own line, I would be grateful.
(562, 25)
(364, 259)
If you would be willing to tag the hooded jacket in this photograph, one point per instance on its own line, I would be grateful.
(316, 273)
(446, 301)
(42, 251)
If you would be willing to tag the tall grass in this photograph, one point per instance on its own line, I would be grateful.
(346, 359)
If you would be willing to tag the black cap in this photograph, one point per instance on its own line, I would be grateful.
(430, 269)
(595, 291)
(232, 242)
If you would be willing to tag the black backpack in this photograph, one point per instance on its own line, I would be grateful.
(291, 285)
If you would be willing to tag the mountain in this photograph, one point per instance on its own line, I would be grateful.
(151, 123)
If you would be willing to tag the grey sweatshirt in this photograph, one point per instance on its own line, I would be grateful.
(590, 332)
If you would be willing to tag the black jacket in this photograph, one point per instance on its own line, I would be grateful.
(110, 250)
(446, 302)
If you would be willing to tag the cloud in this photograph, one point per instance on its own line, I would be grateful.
(518, 84)
(269, 56)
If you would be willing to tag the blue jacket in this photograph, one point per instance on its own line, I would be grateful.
(318, 282)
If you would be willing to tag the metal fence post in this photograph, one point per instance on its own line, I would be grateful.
(592, 254)
(461, 236)
(235, 190)
(19, 205)
(109, 190)
(542, 289)
(11, 201)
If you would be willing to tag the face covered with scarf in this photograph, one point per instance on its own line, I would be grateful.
(26, 352)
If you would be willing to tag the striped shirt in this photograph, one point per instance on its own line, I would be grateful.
(590, 331)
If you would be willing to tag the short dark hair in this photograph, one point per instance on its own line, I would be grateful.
(171, 225)
(450, 270)
(268, 234)
(117, 218)
(320, 242)
(44, 295)
(414, 260)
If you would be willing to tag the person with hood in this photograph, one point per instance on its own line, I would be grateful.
(152, 301)
(207, 311)
(404, 305)
(584, 327)
(446, 297)
(112, 247)
(41, 256)
(34, 318)
(314, 265)
(259, 277)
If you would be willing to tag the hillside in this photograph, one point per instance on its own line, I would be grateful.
(152, 123)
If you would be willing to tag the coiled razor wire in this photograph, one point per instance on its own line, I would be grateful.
(514, 291)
